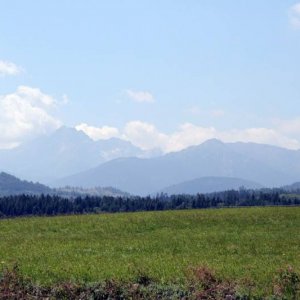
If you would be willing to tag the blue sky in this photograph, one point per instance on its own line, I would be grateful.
(162, 74)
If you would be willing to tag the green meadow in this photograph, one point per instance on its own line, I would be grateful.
(239, 244)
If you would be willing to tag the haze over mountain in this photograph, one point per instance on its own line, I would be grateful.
(206, 185)
(11, 185)
(64, 152)
(212, 158)
(294, 187)
(276, 157)
(70, 157)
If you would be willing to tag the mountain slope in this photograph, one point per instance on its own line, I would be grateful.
(275, 157)
(212, 158)
(295, 187)
(10, 185)
(209, 185)
(66, 151)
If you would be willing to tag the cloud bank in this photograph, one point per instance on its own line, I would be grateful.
(98, 133)
(147, 136)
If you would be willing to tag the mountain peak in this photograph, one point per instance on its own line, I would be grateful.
(63, 152)
(68, 135)
(65, 131)
(213, 141)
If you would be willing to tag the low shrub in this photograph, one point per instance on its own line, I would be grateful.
(202, 284)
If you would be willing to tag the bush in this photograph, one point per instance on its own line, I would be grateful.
(202, 284)
(287, 284)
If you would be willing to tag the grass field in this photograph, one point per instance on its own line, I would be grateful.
(238, 243)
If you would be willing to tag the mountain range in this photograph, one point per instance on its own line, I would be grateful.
(64, 152)
(267, 165)
(68, 157)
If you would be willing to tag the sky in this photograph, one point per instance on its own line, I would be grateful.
(162, 74)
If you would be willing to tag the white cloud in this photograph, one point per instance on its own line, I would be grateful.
(188, 135)
(147, 136)
(34, 96)
(9, 68)
(144, 135)
(24, 114)
(98, 133)
(294, 15)
(140, 96)
(261, 136)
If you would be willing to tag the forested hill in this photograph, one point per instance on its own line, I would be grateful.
(11, 185)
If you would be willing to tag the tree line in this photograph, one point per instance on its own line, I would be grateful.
(48, 205)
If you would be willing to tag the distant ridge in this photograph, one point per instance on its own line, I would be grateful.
(266, 165)
(206, 185)
(70, 158)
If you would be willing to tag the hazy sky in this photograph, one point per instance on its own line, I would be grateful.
(165, 74)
